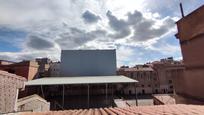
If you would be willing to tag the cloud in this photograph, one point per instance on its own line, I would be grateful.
(38, 43)
(134, 18)
(143, 29)
(30, 55)
(90, 17)
(44, 28)
(120, 26)
(75, 37)
(124, 55)
(130, 55)
(171, 7)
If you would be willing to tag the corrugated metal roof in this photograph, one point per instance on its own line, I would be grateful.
(80, 80)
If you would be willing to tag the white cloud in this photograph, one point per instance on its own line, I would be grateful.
(128, 56)
(59, 25)
(30, 55)
(124, 55)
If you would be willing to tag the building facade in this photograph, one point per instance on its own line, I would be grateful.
(166, 70)
(29, 69)
(191, 37)
(155, 77)
(54, 69)
(26, 69)
(148, 81)
(44, 65)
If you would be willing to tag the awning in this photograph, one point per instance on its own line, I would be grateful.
(80, 80)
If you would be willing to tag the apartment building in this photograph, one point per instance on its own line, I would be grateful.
(148, 81)
(166, 70)
(155, 77)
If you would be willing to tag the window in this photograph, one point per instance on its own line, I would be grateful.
(171, 87)
(149, 85)
(143, 91)
(142, 85)
(156, 90)
(170, 81)
(137, 76)
(130, 92)
(131, 74)
(144, 73)
(22, 107)
(148, 78)
(141, 74)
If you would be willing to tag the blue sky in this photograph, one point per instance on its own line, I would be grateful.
(140, 31)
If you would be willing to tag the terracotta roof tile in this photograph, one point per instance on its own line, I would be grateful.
(103, 112)
(178, 109)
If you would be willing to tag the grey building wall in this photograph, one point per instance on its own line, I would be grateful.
(88, 63)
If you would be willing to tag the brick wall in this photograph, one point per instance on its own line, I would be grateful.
(9, 86)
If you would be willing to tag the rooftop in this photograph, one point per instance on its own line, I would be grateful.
(80, 80)
(164, 98)
(10, 75)
(179, 109)
(136, 69)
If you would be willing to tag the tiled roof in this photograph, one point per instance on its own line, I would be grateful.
(179, 109)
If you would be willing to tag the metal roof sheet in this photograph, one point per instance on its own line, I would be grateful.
(80, 80)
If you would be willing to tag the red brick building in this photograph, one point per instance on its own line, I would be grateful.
(27, 69)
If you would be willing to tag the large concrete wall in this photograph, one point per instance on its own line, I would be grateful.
(88, 63)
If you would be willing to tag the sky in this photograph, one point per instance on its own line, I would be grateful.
(140, 30)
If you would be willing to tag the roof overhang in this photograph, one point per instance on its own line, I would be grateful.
(80, 80)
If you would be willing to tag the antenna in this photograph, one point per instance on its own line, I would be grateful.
(181, 8)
